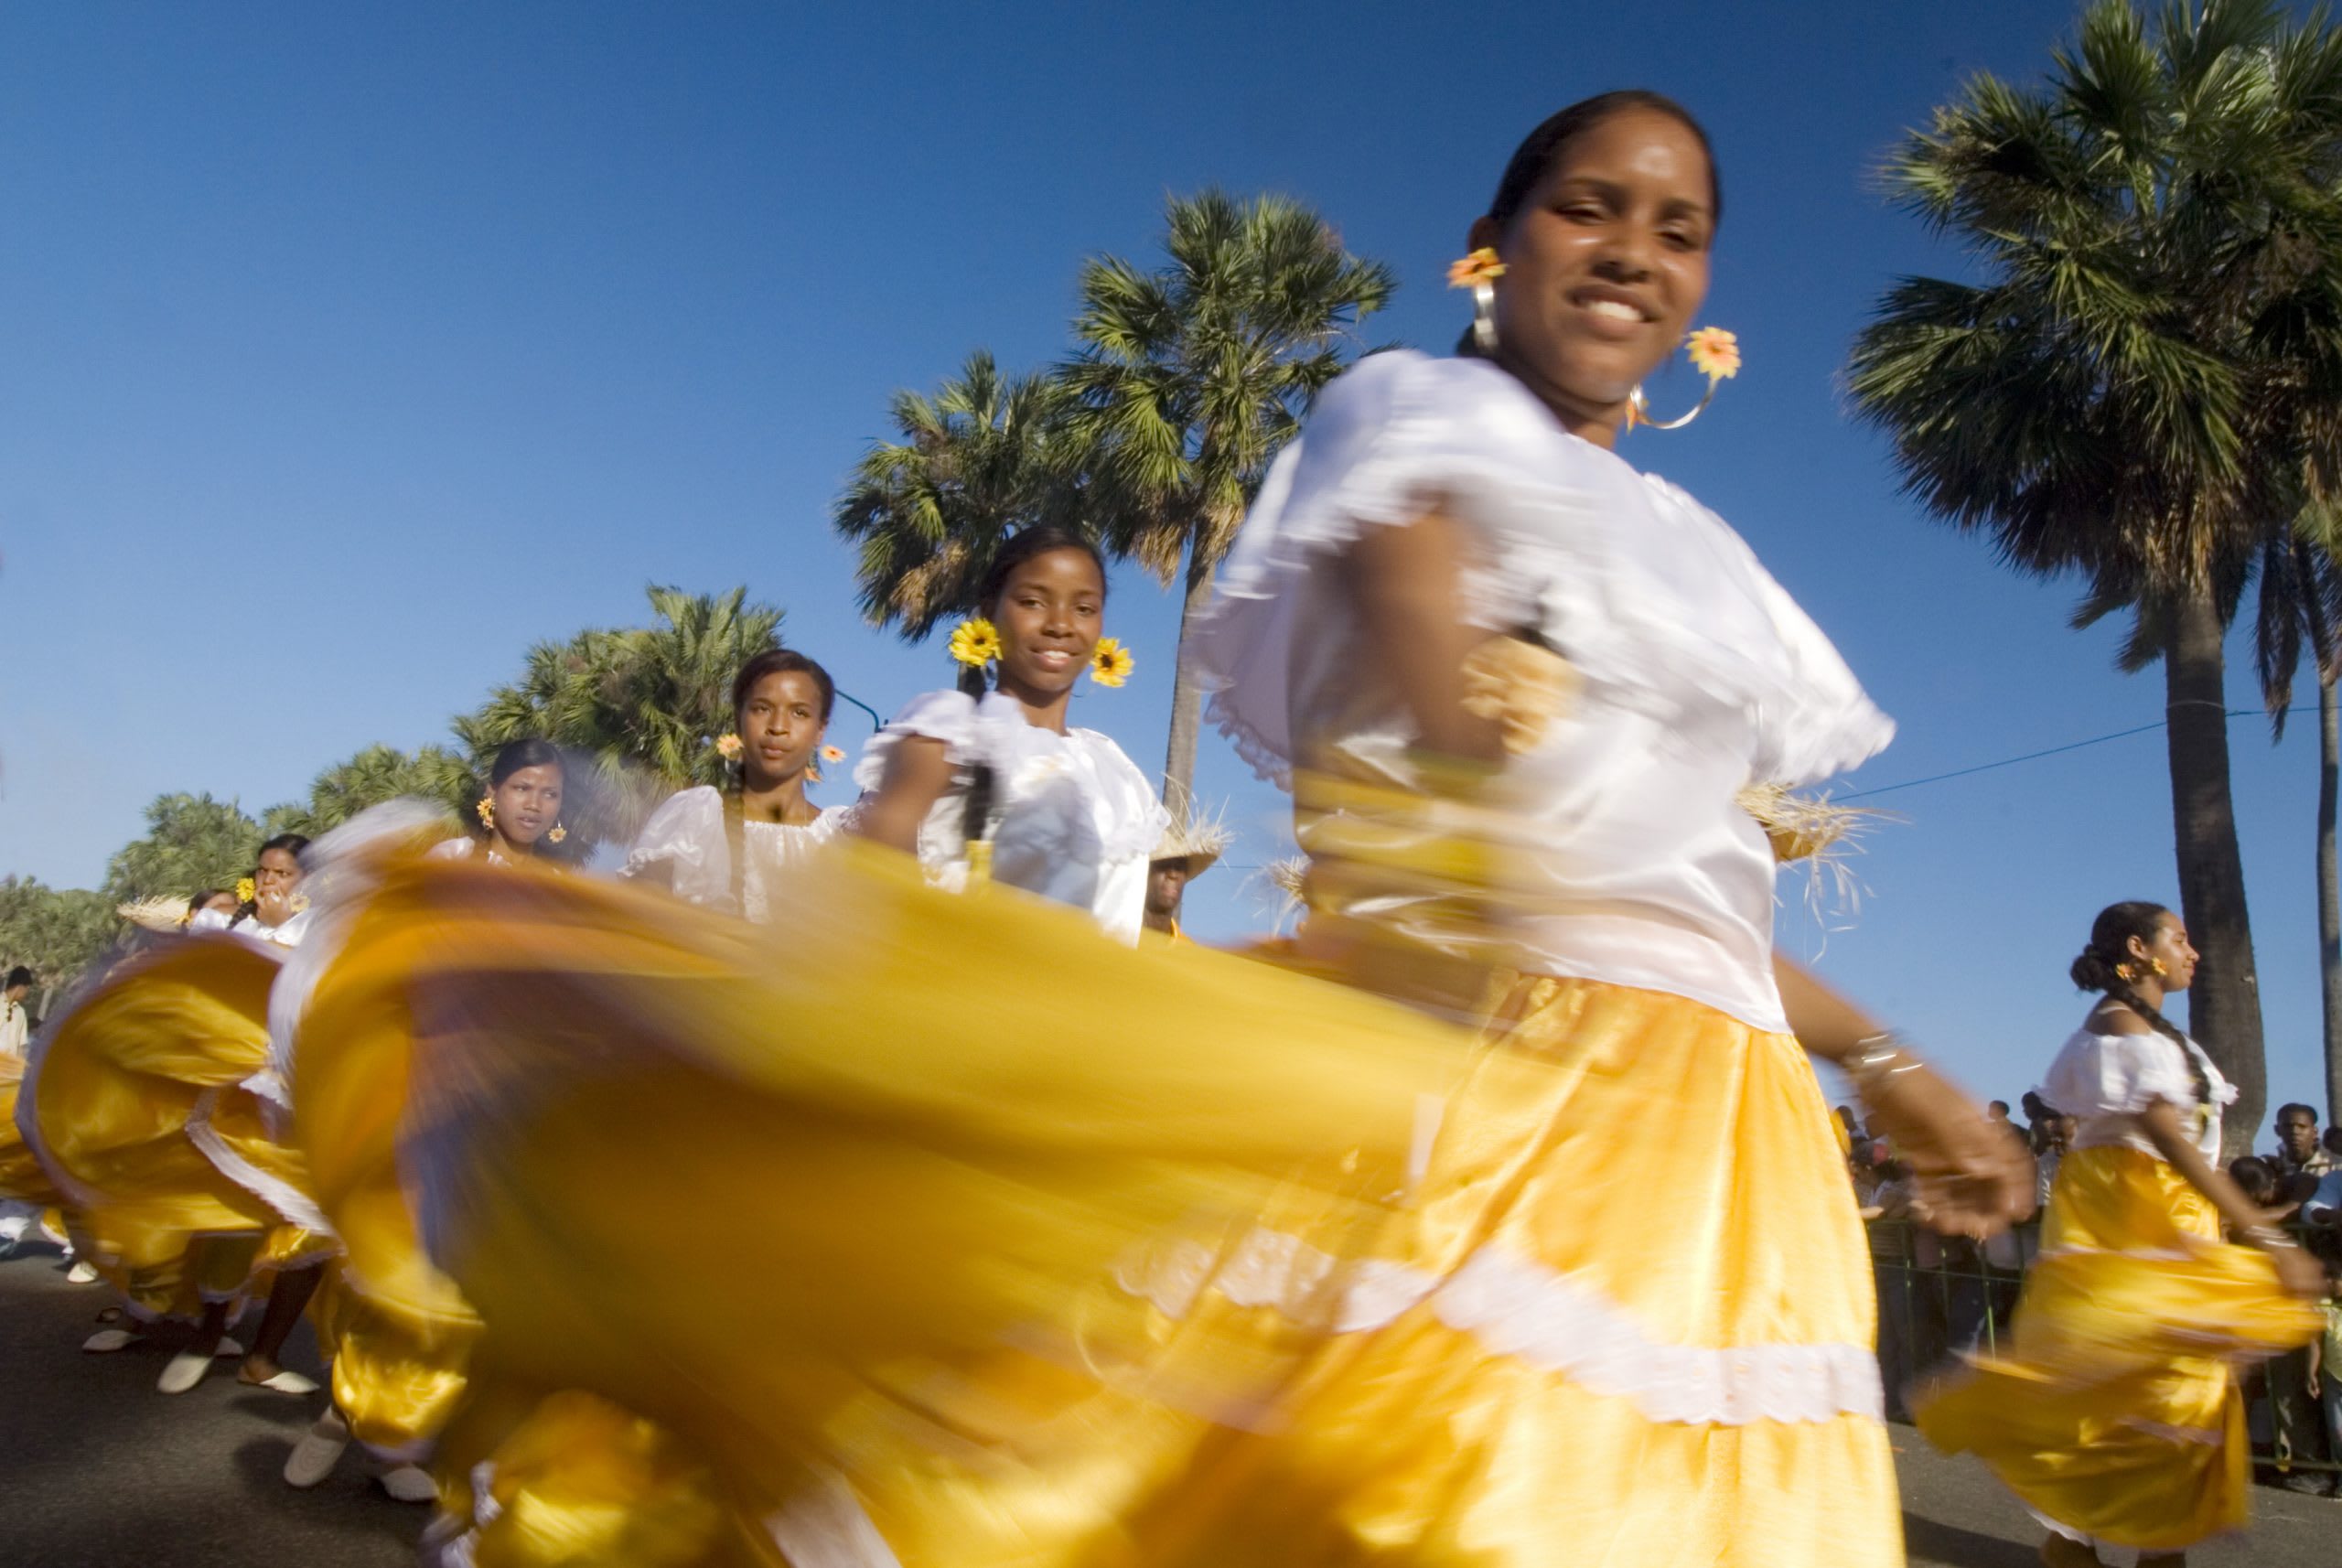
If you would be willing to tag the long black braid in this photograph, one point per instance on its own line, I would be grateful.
(975, 821)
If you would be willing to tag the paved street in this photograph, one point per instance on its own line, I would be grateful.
(102, 1472)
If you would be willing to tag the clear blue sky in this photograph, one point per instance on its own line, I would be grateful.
(347, 350)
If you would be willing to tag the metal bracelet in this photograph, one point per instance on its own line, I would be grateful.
(2267, 1236)
(1876, 1060)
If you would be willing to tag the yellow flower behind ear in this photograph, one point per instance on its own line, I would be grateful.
(1714, 353)
(1111, 664)
(832, 754)
(976, 642)
(1481, 266)
(246, 890)
(727, 746)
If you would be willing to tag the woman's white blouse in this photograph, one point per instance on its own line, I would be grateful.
(287, 935)
(1076, 820)
(2103, 1081)
(687, 833)
(1696, 673)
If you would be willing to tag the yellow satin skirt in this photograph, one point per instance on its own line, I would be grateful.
(21, 1178)
(2114, 1415)
(940, 1223)
(1624, 1318)
(120, 1087)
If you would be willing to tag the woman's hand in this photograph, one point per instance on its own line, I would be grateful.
(272, 907)
(2301, 1274)
(1969, 1178)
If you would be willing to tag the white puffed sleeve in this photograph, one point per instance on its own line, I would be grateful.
(686, 834)
(947, 715)
(2100, 1076)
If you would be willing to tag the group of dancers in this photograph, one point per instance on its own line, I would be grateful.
(860, 1186)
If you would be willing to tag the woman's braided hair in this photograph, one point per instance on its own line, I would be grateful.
(1023, 546)
(2100, 965)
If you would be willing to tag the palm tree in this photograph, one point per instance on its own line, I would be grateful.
(1191, 377)
(2133, 387)
(52, 931)
(986, 457)
(644, 703)
(192, 842)
(377, 774)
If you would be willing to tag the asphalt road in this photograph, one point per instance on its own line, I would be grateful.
(96, 1470)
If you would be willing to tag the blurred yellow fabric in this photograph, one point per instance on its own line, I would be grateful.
(163, 1041)
(2115, 1414)
(946, 1222)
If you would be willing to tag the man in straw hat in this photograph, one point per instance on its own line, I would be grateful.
(1187, 850)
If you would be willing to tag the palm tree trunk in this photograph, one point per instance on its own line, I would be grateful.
(2224, 1008)
(2330, 891)
(1186, 697)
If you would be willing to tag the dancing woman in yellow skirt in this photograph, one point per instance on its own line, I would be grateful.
(1068, 1256)
(397, 1333)
(123, 1094)
(2114, 1413)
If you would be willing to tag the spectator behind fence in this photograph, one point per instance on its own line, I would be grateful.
(16, 1024)
(2053, 1135)
(2299, 1151)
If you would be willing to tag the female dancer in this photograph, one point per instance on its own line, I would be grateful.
(992, 777)
(1515, 1365)
(275, 913)
(721, 848)
(520, 817)
(2114, 1415)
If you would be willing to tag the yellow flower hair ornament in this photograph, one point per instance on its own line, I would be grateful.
(486, 811)
(727, 746)
(1111, 664)
(975, 642)
(557, 834)
(827, 754)
(247, 890)
(1715, 354)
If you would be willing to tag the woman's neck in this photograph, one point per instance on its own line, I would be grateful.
(1595, 423)
(777, 800)
(1042, 710)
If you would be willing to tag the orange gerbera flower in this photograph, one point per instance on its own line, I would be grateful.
(1714, 353)
(1481, 266)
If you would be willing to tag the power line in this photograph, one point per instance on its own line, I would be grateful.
(2029, 756)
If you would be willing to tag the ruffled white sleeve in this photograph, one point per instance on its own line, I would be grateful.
(1393, 436)
(947, 715)
(686, 834)
(2100, 1076)
(1816, 721)
(1658, 605)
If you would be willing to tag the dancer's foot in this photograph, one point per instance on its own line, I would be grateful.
(80, 1273)
(314, 1458)
(185, 1369)
(106, 1341)
(2059, 1551)
(259, 1372)
(409, 1484)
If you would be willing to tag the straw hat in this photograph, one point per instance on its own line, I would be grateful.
(1198, 839)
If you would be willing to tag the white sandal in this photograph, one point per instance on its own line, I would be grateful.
(409, 1484)
(283, 1384)
(184, 1370)
(106, 1341)
(319, 1450)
